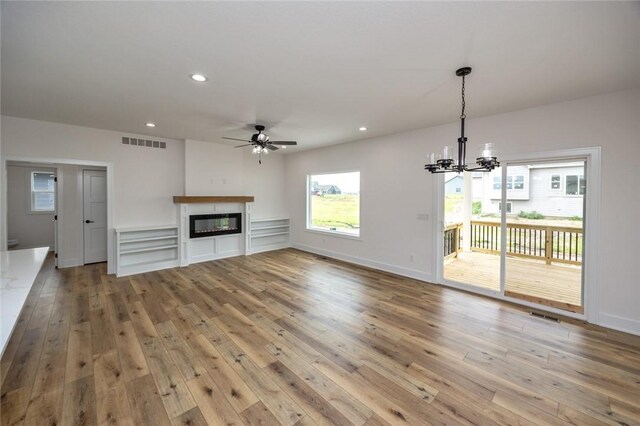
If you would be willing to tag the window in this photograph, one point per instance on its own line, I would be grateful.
(518, 182)
(333, 202)
(555, 181)
(496, 182)
(513, 182)
(574, 185)
(508, 207)
(42, 192)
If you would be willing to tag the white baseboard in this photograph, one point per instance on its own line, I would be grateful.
(398, 270)
(69, 263)
(620, 323)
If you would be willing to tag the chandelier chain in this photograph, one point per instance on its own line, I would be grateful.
(462, 115)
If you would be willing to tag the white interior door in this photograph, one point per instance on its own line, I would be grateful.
(95, 216)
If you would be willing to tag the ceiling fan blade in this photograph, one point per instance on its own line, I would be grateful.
(271, 147)
(240, 146)
(234, 139)
(284, 142)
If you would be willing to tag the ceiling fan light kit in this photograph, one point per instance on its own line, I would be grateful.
(444, 163)
(261, 143)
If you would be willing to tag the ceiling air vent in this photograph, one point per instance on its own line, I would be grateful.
(144, 142)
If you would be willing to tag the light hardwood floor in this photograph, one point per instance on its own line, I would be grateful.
(288, 337)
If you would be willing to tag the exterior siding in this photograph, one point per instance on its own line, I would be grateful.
(537, 194)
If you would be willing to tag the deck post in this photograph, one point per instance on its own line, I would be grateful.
(548, 245)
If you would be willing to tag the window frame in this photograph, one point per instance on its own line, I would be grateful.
(31, 192)
(515, 181)
(509, 207)
(310, 228)
(580, 179)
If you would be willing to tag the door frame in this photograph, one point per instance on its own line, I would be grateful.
(592, 157)
(111, 269)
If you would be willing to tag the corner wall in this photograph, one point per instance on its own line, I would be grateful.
(395, 190)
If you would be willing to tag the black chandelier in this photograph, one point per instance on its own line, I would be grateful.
(444, 163)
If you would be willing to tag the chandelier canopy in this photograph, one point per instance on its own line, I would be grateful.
(445, 162)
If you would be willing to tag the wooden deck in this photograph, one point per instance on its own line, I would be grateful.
(552, 285)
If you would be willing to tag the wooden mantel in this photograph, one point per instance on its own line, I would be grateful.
(187, 199)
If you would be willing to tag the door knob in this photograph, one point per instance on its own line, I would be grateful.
(88, 221)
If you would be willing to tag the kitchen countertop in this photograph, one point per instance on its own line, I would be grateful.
(18, 271)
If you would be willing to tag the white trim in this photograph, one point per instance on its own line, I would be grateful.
(398, 270)
(438, 226)
(334, 233)
(620, 323)
(111, 267)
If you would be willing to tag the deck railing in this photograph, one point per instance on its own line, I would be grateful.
(452, 240)
(558, 244)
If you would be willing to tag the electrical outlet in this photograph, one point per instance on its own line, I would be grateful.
(423, 216)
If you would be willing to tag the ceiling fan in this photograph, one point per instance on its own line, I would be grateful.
(261, 143)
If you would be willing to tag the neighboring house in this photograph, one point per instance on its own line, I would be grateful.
(555, 190)
(329, 189)
(454, 184)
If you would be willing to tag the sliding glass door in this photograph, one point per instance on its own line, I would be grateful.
(518, 231)
(545, 233)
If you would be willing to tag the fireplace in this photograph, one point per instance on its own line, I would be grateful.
(207, 225)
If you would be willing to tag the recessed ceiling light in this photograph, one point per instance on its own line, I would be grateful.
(363, 129)
(151, 124)
(199, 78)
(283, 146)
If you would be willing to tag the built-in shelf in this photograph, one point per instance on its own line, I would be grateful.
(188, 199)
(269, 234)
(271, 227)
(137, 240)
(144, 249)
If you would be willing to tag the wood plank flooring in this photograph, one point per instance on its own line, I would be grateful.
(556, 285)
(291, 338)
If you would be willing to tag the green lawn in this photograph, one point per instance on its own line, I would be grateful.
(336, 211)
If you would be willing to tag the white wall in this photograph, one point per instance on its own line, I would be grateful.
(216, 169)
(30, 229)
(395, 189)
(213, 169)
(144, 179)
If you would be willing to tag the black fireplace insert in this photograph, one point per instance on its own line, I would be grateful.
(207, 225)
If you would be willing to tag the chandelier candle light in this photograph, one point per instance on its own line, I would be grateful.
(486, 161)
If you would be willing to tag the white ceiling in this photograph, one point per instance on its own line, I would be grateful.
(311, 71)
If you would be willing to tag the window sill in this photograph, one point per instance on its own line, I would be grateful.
(334, 234)
(49, 212)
